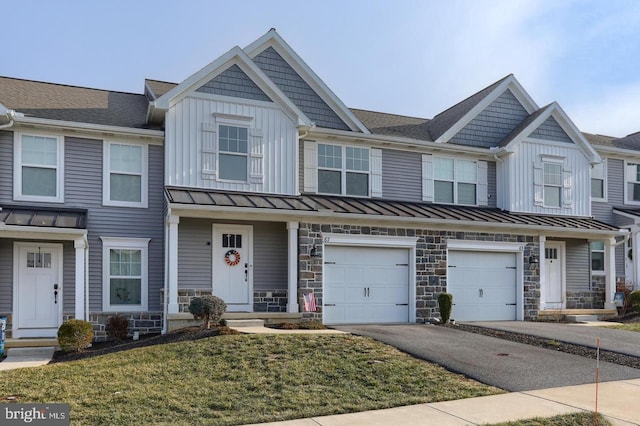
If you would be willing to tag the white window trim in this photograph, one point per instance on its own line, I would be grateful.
(604, 182)
(17, 169)
(559, 186)
(596, 272)
(106, 177)
(455, 180)
(246, 155)
(142, 244)
(343, 170)
(627, 200)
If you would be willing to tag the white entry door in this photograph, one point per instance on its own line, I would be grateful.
(554, 288)
(37, 289)
(232, 266)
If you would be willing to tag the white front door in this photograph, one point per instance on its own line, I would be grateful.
(233, 265)
(37, 289)
(554, 290)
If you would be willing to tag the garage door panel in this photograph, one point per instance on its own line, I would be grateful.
(371, 287)
(483, 285)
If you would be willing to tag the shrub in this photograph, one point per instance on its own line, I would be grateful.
(311, 325)
(445, 303)
(208, 308)
(118, 327)
(75, 335)
(634, 300)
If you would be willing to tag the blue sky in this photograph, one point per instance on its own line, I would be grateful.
(399, 56)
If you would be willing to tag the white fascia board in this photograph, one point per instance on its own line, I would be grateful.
(509, 83)
(249, 213)
(385, 141)
(235, 56)
(621, 153)
(103, 130)
(635, 218)
(40, 233)
(274, 40)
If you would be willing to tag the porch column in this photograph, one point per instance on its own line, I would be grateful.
(80, 245)
(542, 272)
(292, 304)
(610, 272)
(172, 263)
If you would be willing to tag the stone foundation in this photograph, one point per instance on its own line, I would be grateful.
(431, 263)
(143, 322)
(593, 299)
(270, 301)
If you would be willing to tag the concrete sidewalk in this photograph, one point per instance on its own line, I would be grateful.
(26, 357)
(616, 400)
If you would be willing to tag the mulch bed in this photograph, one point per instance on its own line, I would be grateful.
(113, 346)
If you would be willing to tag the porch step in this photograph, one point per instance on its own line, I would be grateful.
(245, 323)
(581, 318)
(185, 319)
(30, 343)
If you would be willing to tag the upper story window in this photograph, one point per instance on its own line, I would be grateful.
(454, 181)
(598, 182)
(632, 186)
(233, 151)
(38, 168)
(343, 170)
(552, 184)
(125, 175)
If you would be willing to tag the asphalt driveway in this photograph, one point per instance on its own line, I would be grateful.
(508, 365)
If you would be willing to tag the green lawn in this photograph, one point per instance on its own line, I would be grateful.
(577, 419)
(631, 326)
(239, 379)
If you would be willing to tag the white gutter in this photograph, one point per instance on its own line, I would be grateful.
(380, 218)
(91, 128)
(10, 114)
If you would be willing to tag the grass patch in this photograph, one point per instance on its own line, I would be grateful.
(228, 380)
(574, 419)
(631, 326)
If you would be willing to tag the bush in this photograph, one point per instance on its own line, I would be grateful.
(634, 300)
(118, 327)
(208, 308)
(445, 303)
(75, 335)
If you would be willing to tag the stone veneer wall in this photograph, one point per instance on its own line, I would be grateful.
(144, 322)
(431, 263)
(593, 299)
(263, 300)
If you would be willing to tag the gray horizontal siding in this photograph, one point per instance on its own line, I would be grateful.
(6, 275)
(620, 260)
(296, 89)
(234, 82)
(69, 277)
(578, 268)
(550, 130)
(401, 175)
(493, 124)
(194, 254)
(615, 182)
(6, 167)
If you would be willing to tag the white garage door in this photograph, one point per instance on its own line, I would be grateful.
(365, 285)
(483, 285)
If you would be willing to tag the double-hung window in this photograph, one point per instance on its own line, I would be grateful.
(125, 180)
(598, 182)
(455, 181)
(233, 152)
(597, 256)
(125, 286)
(633, 183)
(343, 170)
(38, 172)
(552, 184)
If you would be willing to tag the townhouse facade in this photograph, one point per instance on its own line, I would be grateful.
(251, 180)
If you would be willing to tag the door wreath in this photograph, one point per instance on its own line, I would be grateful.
(232, 258)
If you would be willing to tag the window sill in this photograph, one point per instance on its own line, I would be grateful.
(125, 308)
(125, 204)
(38, 199)
(598, 273)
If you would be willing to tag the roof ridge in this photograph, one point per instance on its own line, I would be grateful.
(389, 113)
(160, 81)
(70, 85)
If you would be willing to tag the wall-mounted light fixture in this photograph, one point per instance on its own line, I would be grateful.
(313, 251)
(533, 259)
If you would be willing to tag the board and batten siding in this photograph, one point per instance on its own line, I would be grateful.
(578, 266)
(184, 144)
(195, 254)
(401, 175)
(517, 174)
(83, 188)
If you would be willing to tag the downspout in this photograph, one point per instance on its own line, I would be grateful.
(86, 279)
(306, 132)
(11, 114)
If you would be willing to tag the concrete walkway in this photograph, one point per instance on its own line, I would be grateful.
(616, 400)
(26, 357)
